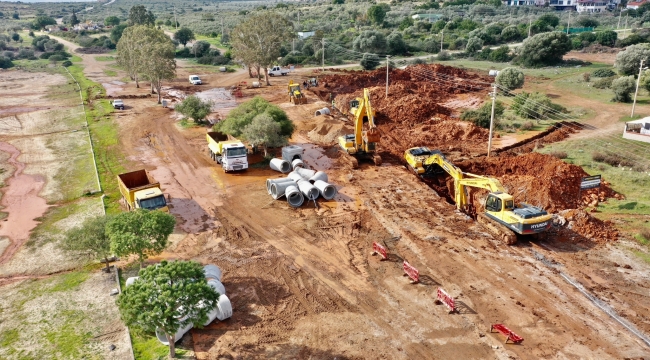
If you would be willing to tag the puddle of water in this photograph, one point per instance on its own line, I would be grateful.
(113, 89)
(21, 201)
(222, 101)
(117, 82)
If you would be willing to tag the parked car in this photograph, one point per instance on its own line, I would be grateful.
(195, 80)
(118, 104)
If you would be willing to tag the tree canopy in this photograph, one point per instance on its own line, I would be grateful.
(42, 21)
(511, 78)
(543, 49)
(264, 130)
(138, 15)
(89, 239)
(629, 60)
(396, 44)
(194, 108)
(370, 41)
(622, 88)
(184, 35)
(369, 61)
(112, 21)
(377, 14)
(140, 232)
(243, 115)
(168, 296)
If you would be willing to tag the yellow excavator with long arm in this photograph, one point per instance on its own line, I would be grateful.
(502, 217)
(295, 95)
(363, 143)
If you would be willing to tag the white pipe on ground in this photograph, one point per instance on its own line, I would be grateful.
(295, 176)
(294, 196)
(297, 163)
(179, 334)
(212, 272)
(323, 111)
(305, 173)
(280, 165)
(131, 280)
(319, 175)
(309, 190)
(224, 308)
(278, 190)
(326, 190)
(217, 286)
(269, 182)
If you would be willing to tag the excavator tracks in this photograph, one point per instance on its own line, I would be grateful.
(499, 231)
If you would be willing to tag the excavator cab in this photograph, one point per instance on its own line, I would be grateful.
(295, 95)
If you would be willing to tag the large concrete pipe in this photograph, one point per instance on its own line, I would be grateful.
(131, 280)
(212, 272)
(319, 175)
(217, 286)
(269, 182)
(224, 308)
(179, 334)
(323, 111)
(280, 165)
(297, 163)
(305, 173)
(326, 190)
(309, 190)
(294, 196)
(295, 176)
(278, 190)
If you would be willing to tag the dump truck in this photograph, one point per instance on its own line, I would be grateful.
(141, 191)
(232, 155)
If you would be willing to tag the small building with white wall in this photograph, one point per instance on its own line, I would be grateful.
(638, 130)
(591, 6)
(305, 34)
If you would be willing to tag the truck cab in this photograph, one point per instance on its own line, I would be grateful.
(151, 199)
(195, 80)
(278, 71)
(234, 157)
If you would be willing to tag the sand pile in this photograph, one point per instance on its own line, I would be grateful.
(581, 223)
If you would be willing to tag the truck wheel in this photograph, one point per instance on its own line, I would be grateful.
(271, 75)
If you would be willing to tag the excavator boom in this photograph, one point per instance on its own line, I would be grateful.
(362, 142)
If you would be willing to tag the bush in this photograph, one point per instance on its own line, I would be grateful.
(586, 76)
(606, 38)
(66, 63)
(444, 56)
(481, 116)
(559, 154)
(200, 48)
(602, 73)
(587, 22)
(527, 125)
(501, 54)
(184, 53)
(628, 60)
(543, 49)
(369, 41)
(5, 63)
(611, 159)
(510, 78)
(55, 58)
(645, 233)
(536, 106)
(243, 115)
(604, 83)
(622, 88)
(396, 44)
(369, 61)
(474, 44)
(194, 108)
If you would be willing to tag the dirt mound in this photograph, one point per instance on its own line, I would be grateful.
(579, 222)
(328, 131)
(539, 179)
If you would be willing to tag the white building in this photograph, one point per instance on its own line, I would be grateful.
(638, 130)
(563, 4)
(635, 4)
(591, 6)
(524, 2)
(305, 34)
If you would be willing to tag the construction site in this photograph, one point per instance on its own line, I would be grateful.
(391, 267)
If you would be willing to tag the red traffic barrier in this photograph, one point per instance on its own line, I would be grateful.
(378, 249)
(444, 298)
(511, 336)
(411, 272)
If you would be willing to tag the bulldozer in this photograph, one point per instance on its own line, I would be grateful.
(295, 95)
(362, 144)
(502, 217)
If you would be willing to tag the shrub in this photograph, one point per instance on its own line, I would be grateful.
(243, 115)
(611, 159)
(184, 53)
(606, 38)
(527, 125)
(66, 63)
(194, 108)
(586, 77)
(369, 61)
(536, 106)
(444, 56)
(544, 49)
(559, 154)
(604, 83)
(474, 44)
(55, 58)
(622, 88)
(481, 116)
(501, 54)
(511, 78)
(602, 73)
(645, 233)
(628, 60)
(5, 63)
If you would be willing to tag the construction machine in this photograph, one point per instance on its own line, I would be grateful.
(502, 217)
(363, 143)
(295, 95)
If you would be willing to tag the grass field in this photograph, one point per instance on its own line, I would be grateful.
(105, 58)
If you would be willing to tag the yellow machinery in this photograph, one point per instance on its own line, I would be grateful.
(295, 95)
(363, 143)
(501, 217)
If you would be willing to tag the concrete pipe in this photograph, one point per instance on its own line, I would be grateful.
(280, 165)
(320, 175)
(224, 308)
(131, 280)
(309, 190)
(294, 176)
(305, 173)
(278, 190)
(297, 163)
(217, 286)
(179, 334)
(269, 182)
(323, 111)
(326, 190)
(212, 272)
(294, 196)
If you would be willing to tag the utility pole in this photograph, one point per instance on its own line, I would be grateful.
(625, 29)
(175, 22)
(387, 66)
(293, 45)
(568, 24)
(222, 29)
(323, 56)
(442, 37)
(638, 80)
(530, 25)
(620, 14)
(494, 98)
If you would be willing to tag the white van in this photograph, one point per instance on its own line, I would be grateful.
(194, 80)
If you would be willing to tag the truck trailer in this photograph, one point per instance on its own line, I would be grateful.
(140, 191)
(231, 154)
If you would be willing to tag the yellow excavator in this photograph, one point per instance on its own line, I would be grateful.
(363, 143)
(502, 217)
(295, 95)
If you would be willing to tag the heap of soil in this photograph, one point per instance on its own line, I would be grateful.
(580, 223)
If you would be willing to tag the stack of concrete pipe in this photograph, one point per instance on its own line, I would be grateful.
(222, 311)
(300, 184)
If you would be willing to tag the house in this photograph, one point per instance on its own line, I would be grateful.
(591, 6)
(305, 34)
(638, 130)
(635, 4)
(524, 2)
(563, 4)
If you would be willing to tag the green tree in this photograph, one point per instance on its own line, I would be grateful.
(369, 61)
(157, 58)
(622, 88)
(510, 33)
(73, 19)
(200, 48)
(587, 22)
(474, 44)
(5, 63)
(129, 52)
(243, 115)
(510, 78)
(258, 39)
(376, 14)
(140, 232)
(645, 80)
(606, 38)
(116, 33)
(629, 60)
(112, 21)
(481, 116)
(42, 21)
(168, 297)
(264, 130)
(549, 20)
(138, 15)
(194, 108)
(370, 41)
(89, 239)
(396, 44)
(15, 16)
(543, 49)
(338, 2)
(184, 35)
(501, 54)
(15, 37)
(536, 106)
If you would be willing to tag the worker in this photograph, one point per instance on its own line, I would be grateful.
(304, 84)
